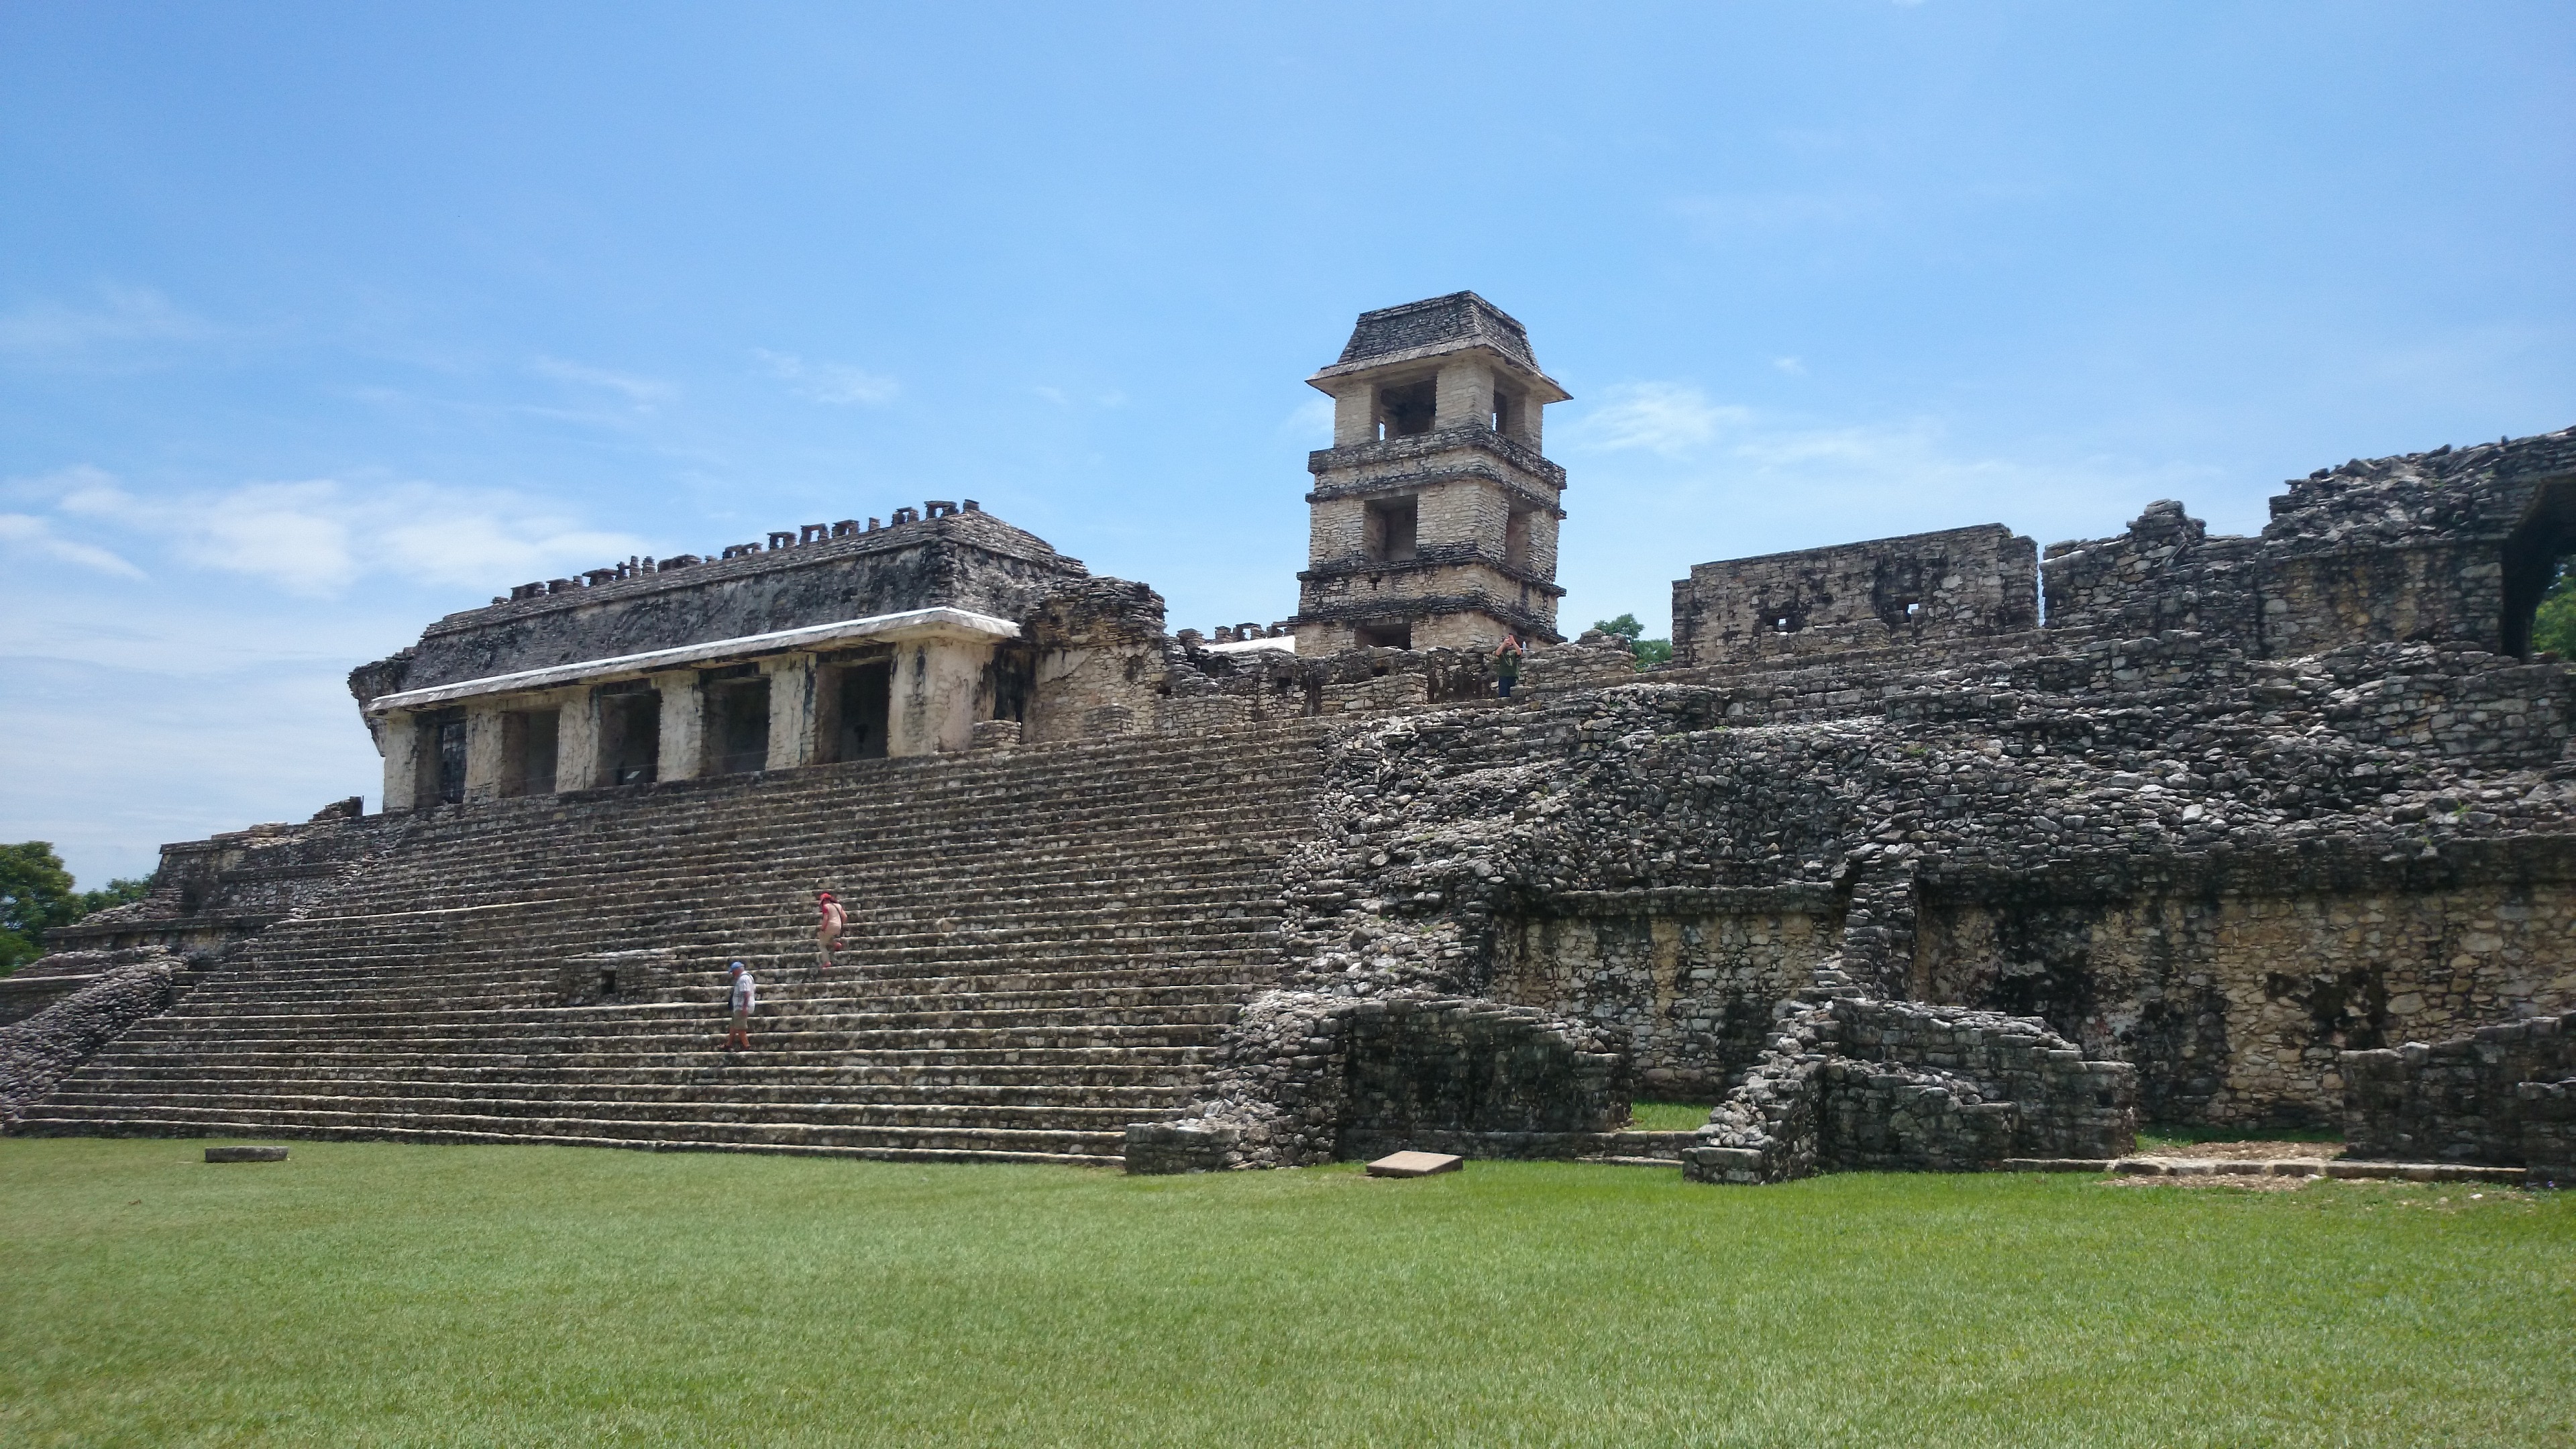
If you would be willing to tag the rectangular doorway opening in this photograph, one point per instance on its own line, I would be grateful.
(444, 735)
(528, 751)
(738, 724)
(630, 736)
(867, 699)
(1516, 539)
(1392, 527)
(1386, 636)
(1407, 410)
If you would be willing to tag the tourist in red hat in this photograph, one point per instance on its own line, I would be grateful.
(827, 935)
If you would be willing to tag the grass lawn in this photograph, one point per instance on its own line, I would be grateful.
(383, 1294)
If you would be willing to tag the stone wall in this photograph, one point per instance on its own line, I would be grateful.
(40, 1051)
(2459, 1100)
(1694, 994)
(2235, 983)
(1098, 667)
(1860, 1085)
(2221, 869)
(1962, 583)
(1308, 1077)
(2166, 573)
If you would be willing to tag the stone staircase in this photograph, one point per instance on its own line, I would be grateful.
(1044, 945)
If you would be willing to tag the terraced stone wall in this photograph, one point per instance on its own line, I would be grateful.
(2235, 991)
(1694, 995)
(2460, 1100)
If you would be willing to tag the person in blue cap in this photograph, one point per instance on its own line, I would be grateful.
(746, 995)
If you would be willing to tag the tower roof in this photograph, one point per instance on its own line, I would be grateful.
(1433, 327)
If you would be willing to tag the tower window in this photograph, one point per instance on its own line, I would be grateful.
(1385, 636)
(1516, 539)
(1391, 529)
(1507, 412)
(1407, 410)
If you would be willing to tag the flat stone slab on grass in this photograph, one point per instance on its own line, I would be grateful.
(245, 1154)
(1414, 1164)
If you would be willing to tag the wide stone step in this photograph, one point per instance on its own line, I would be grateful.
(288, 1113)
(765, 1054)
(1102, 990)
(719, 1088)
(383, 1130)
(1003, 1081)
(782, 1011)
(816, 1110)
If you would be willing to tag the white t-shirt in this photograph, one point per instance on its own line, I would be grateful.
(744, 994)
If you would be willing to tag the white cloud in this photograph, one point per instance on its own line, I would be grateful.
(836, 383)
(1310, 422)
(26, 531)
(46, 331)
(1789, 365)
(316, 537)
(1661, 417)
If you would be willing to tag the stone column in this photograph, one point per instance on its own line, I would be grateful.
(398, 740)
(1355, 414)
(938, 681)
(1464, 395)
(682, 754)
(793, 715)
(577, 765)
(486, 750)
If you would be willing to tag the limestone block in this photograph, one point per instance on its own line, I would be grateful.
(795, 712)
(486, 750)
(937, 687)
(398, 740)
(681, 749)
(1414, 1164)
(577, 753)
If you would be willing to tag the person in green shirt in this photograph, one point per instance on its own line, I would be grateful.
(1507, 665)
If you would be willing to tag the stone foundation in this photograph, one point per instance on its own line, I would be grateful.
(2462, 1100)
(1858, 1085)
(1306, 1077)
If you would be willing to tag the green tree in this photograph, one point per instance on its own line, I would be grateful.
(2554, 627)
(36, 895)
(1649, 652)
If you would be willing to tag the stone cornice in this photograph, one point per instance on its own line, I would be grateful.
(1425, 445)
(912, 624)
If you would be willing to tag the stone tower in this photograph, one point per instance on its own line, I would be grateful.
(1434, 516)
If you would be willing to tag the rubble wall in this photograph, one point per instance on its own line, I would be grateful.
(1861, 1085)
(1694, 995)
(2235, 997)
(1926, 587)
(2459, 1100)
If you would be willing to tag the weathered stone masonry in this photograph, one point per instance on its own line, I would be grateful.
(1893, 870)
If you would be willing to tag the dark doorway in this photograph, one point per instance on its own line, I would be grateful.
(867, 696)
(448, 732)
(2535, 555)
(1386, 636)
(630, 736)
(1392, 529)
(530, 739)
(1407, 411)
(738, 724)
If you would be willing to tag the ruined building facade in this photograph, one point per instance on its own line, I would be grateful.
(1932, 851)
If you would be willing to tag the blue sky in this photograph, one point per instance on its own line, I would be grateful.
(318, 321)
